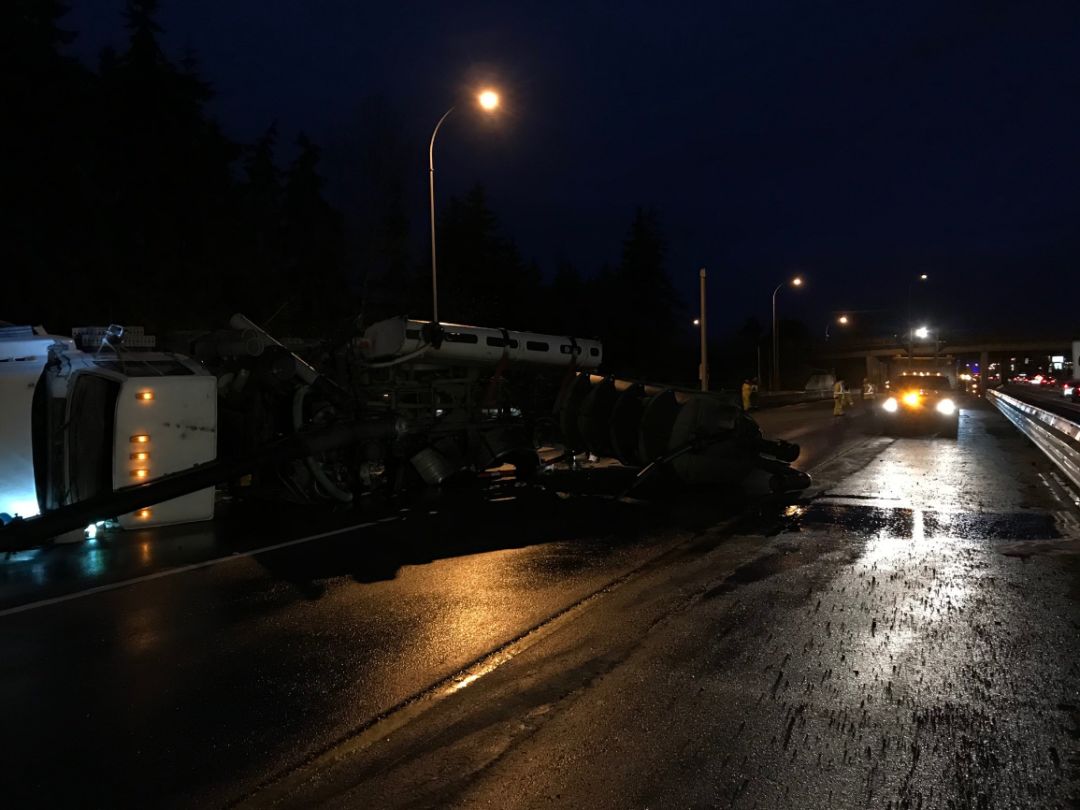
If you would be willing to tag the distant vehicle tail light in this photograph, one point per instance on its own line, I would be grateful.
(946, 407)
(890, 405)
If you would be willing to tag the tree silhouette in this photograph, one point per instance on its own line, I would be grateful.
(641, 306)
(482, 278)
(313, 246)
(43, 167)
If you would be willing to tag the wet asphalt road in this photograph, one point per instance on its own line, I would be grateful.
(197, 687)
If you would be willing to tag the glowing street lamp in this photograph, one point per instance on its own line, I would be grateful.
(922, 333)
(841, 320)
(911, 283)
(795, 282)
(488, 101)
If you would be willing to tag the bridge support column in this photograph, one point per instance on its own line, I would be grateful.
(873, 369)
(984, 369)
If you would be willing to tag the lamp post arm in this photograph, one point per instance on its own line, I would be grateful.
(434, 132)
(774, 381)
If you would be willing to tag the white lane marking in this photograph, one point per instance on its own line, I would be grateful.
(183, 569)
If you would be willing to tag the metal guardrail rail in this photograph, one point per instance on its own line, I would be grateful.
(1056, 436)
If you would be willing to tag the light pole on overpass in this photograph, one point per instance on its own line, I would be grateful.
(910, 326)
(795, 282)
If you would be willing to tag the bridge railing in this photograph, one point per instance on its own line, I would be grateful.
(1056, 436)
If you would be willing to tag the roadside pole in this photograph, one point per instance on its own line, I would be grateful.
(703, 371)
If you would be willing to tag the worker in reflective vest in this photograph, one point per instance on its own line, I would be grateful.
(838, 393)
(747, 392)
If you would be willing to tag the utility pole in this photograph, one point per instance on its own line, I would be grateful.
(703, 372)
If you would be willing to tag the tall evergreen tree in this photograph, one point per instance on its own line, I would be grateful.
(255, 283)
(44, 165)
(642, 308)
(315, 287)
(368, 167)
(166, 180)
(482, 278)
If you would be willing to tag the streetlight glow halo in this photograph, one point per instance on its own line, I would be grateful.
(488, 99)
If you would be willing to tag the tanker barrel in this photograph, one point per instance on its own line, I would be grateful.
(706, 436)
(625, 422)
(594, 418)
(657, 424)
(26, 533)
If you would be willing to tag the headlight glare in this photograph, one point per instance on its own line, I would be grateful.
(890, 405)
(946, 407)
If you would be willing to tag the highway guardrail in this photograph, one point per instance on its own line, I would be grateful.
(1056, 436)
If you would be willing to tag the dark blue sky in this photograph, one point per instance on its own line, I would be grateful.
(858, 143)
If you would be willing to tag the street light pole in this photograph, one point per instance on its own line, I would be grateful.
(775, 347)
(704, 372)
(797, 281)
(488, 101)
(910, 326)
(431, 188)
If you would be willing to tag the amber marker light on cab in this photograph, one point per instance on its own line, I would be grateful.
(145, 396)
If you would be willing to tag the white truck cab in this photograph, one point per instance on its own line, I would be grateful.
(76, 424)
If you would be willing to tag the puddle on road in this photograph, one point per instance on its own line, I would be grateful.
(874, 521)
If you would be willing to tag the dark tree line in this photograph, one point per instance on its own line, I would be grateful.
(125, 202)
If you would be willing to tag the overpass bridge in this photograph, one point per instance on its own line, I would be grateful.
(884, 357)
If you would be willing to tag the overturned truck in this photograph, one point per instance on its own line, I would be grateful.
(148, 438)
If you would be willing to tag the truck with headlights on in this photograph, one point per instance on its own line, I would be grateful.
(925, 403)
